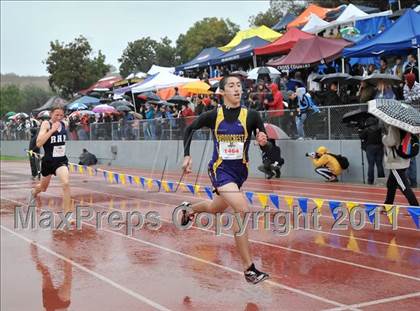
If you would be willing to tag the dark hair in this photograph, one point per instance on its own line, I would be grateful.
(56, 107)
(223, 82)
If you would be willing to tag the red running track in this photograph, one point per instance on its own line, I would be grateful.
(172, 269)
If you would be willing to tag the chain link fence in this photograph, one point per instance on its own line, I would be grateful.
(326, 125)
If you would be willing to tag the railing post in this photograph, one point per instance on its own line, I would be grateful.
(329, 123)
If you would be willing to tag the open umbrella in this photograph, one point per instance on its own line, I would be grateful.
(21, 115)
(240, 73)
(274, 132)
(254, 73)
(104, 109)
(136, 115)
(9, 114)
(196, 87)
(397, 114)
(81, 113)
(374, 78)
(123, 108)
(177, 99)
(77, 106)
(356, 117)
(354, 80)
(335, 77)
(117, 103)
(43, 114)
(149, 96)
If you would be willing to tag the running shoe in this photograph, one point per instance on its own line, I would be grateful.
(187, 217)
(253, 276)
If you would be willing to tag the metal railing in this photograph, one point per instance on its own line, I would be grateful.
(326, 124)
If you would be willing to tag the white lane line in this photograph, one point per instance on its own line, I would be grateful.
(378, 301)
(93, 273)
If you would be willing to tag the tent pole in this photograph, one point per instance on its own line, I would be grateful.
(254, 60)
(342, 65)
(418, 60)
(134, 101)
(399, 5)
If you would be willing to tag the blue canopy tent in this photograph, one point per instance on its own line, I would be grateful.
(282, 24)
(85, 100)
(242, 51)
(201, 60)
(403, 35)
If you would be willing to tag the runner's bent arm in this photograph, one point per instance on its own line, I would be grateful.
(207, 119)
(45, 133)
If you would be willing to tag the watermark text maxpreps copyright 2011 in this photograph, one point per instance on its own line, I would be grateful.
(280, 222)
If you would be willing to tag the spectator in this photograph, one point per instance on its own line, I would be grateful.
(87, 158)
(397, 177)
(325, 164)
(372, 140)
(384, 91)
(33, 158)
(411, 66)
(304, 105)
(366, 92)
(398, 67)
(411, 89)
(272, 161)
(384, 66)
(276, 106)
(312, 85)
(371, 69)
(331, 97)
(149, 127)
(295, 82)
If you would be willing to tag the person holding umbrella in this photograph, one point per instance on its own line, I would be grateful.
(398, 142)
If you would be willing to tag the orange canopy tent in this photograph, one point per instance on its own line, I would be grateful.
(303, 18)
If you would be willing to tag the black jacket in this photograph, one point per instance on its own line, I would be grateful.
(371, 134)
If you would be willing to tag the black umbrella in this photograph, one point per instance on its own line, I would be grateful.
(95, 94)
(356, 117)
(376, 77)
(397, 114)
(214, 86)
(117, 103)
(177, 99)
(239, 73)
(123, 108)
(354, 79)
(335, 77)
(149, 97)
(263, 70)
(317, 78)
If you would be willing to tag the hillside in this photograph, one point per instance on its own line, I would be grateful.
(21, 81)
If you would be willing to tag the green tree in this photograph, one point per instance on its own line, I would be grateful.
(10, 98)
(14, 98)
(268, 18)
(208, 32)
(165, 53)
(72, 67)
(139, 55)
(33, 97)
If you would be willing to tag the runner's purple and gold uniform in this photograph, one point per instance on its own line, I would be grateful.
(232, 129)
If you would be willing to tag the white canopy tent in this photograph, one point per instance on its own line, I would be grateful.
(162, 80)
(314, 24)
(158, 69)
(351, 13)
(139, 74)
(350, 20)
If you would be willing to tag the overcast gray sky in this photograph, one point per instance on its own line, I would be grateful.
(28, 27)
